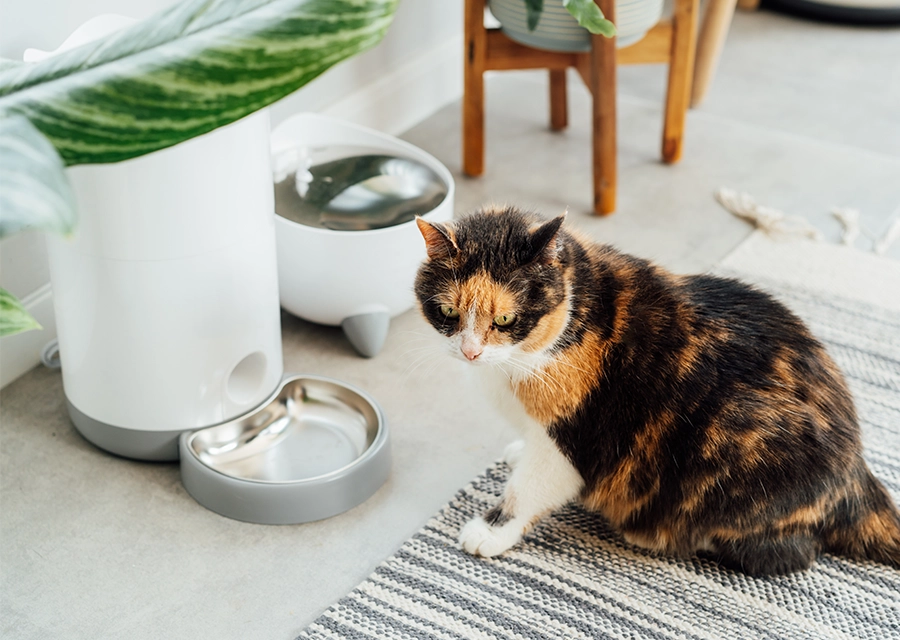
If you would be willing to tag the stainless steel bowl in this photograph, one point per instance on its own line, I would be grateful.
(316, 448)
(356, 191)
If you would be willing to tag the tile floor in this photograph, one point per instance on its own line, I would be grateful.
(804, 116)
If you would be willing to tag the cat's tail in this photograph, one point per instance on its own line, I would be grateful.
(875, 530)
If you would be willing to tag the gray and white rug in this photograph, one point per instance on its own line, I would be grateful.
(573, 578)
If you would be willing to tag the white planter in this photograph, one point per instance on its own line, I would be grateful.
(559, 31)
(166, 298)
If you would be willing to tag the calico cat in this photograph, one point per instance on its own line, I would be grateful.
(695, 413)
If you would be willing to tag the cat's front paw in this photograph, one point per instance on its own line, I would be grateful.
(512, 455)
(481, 539)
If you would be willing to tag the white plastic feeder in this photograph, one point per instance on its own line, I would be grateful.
(166, 297)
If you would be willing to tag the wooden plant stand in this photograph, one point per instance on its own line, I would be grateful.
(670, 41)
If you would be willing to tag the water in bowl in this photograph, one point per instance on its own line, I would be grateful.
(353, 188)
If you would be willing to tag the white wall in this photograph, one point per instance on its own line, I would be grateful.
(415, 70)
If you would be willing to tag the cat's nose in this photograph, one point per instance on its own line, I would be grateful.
(471, 351)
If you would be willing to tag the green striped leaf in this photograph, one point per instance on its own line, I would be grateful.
(34, 191)
(590, 17)
(8, 64)
(533, 10)
(13, 317)
(190, 69)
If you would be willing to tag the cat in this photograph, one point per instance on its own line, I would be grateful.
(695, 413)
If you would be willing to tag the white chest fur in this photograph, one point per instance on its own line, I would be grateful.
(537, 447)
(542, 479)
(496, 384)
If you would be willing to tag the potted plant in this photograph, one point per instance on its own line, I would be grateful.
(210, 64)
(567, 25)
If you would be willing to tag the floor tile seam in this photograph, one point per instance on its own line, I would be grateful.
(636, 100)
(757, 128)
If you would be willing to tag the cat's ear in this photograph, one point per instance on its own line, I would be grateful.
(438, 240)
(545, 240)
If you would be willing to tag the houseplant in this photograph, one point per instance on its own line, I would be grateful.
(567, 25)
(585, 12)
(190, 69)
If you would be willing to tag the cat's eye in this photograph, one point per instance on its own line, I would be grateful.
(449, 311)
(505, 319)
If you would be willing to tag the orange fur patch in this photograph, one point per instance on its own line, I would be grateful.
(806, 516)
(701, 488)
(488, 299)
(660, 539)
(614, 496)
(879, 528)
(485, 295)
(556, 390)
(548, 328)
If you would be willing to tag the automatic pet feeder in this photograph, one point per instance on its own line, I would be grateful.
(348, 247)
(169, 327)
(166, 295)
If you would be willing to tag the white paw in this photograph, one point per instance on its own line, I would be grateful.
(512, 455)
(481, 539)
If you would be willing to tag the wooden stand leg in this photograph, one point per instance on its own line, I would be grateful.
(681, 69)
(603, 88)
(559, 110)
(473, 89)
(716, 21)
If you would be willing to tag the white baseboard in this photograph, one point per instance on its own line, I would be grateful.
(408, 94)
(22, 352)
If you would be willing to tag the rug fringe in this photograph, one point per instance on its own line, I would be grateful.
(849, 219)
(769, 220)
(890, 236)
(777, 224)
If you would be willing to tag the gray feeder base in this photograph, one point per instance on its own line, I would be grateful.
(153, 446)
(367, 332)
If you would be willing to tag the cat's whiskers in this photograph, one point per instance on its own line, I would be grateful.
(415, 344)
(437, 362)
(423, 355)
(410, 369)
(418, 352)
(434, 297)
(416, 332)
(539, 374)
(564, 362)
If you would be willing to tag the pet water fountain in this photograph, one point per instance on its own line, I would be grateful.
(346, 198)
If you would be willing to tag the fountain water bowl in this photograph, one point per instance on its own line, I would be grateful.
(346, 198)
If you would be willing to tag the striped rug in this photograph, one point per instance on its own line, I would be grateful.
(574, 578)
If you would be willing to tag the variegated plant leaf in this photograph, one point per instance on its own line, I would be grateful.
(589, 16)
(34, 190)
(533, 11)
(13, 317)
(6, 63)
(197, 66)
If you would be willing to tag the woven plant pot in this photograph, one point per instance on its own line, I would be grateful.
(558, 30)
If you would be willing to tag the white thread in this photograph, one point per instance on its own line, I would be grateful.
(849, 219)
(769, 220)
(889, 237)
